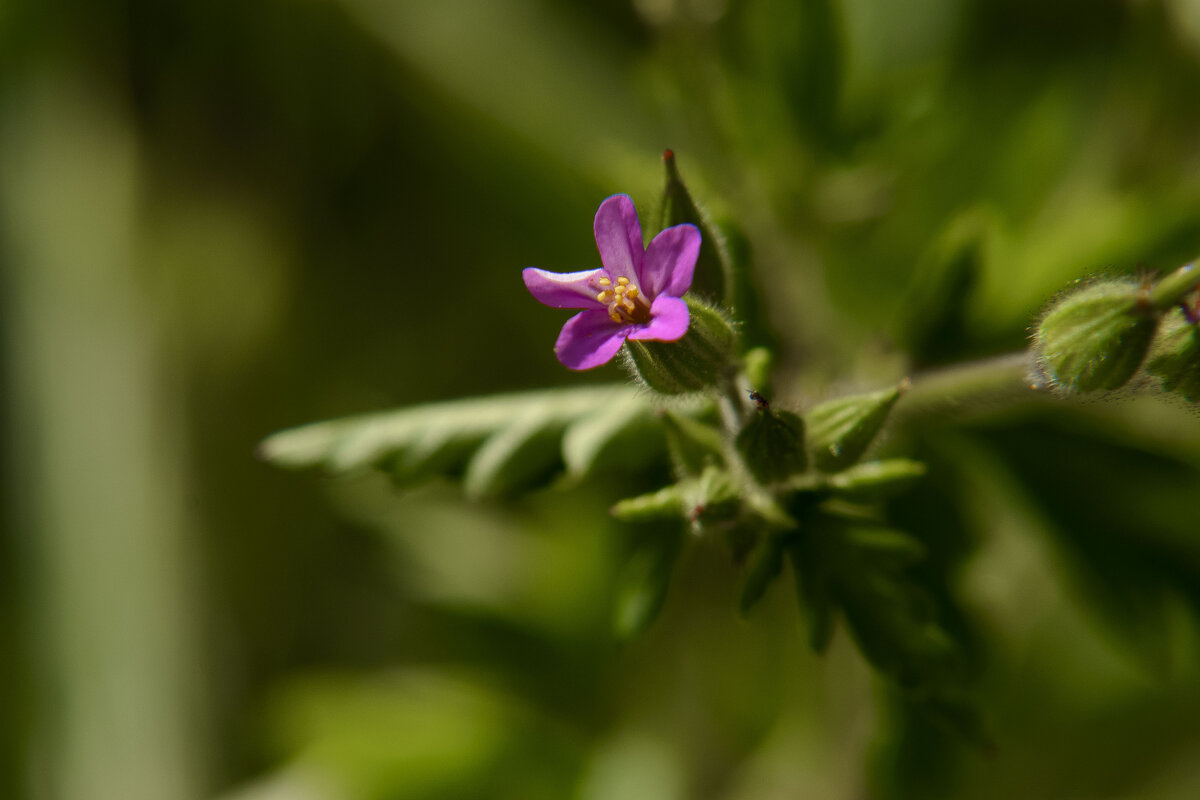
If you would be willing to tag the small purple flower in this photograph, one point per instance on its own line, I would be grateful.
(635, 295)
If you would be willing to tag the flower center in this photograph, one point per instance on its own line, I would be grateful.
(624, 300)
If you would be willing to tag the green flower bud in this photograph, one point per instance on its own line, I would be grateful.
(713, 276)
(707, 498)
(839, 431)
(1177, 366)
(1096, 338)
(772, 444)
(703, 358)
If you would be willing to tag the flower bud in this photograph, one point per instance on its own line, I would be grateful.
(1096, 338)
(701, 359)
(839, 431)
(713, 276)
(772, 445)
(1177, 366)
(710, 497)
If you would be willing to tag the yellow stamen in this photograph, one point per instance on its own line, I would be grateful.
(614, 316)
(621, 289)
(628, 303)
(604, 281)
(632, 292)
(603, 296)
(623, 281)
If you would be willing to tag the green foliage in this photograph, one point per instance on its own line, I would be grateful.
(643, 582)
(841, 430)
(500, 445)
(323, 206)
(858, 568)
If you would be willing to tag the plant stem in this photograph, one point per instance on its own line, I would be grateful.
(1176, 286)
(966, 388)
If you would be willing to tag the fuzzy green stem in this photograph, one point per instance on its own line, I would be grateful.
(1173, 288)
(957, 391)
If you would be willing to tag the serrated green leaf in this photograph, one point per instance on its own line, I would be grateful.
(505, 442)
(351, 443)
(513, 457)
(624, 434)
(693, 445)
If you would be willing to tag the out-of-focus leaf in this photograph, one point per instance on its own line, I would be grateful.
(933, 320)
(1134, 552)
(693, 445)
(886, 548)
(621, 435)
(513, 457)
(765, 567)
(503, 441)
(812, 588)
(643, 582)
(861, 570)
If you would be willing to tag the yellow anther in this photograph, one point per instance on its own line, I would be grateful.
(604, 296)
(623, 280)
(632, 292)
(614, 316)
(621, 289)
(628, 303)
(604, 281)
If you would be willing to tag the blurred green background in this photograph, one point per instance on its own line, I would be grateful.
(220, 218)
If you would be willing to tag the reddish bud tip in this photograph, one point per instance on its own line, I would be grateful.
(668, 155)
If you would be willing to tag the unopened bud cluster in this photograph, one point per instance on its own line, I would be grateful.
(1097, 337)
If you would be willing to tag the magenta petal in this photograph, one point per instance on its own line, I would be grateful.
(589, 339)
(563, 289)
(619, 238)
(671, 260)
(668, 320)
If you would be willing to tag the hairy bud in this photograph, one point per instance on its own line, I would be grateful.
(698, 361)
(1095, 339)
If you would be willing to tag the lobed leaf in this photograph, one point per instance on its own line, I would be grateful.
(503, 442)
